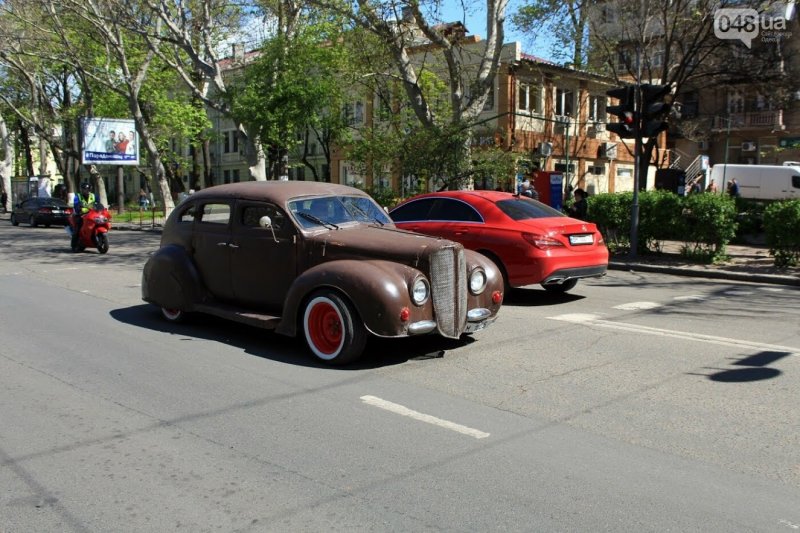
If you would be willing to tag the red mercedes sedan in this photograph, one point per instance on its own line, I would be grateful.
(529, 241)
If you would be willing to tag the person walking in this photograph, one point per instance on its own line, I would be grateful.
(3, 200)
(733, 188)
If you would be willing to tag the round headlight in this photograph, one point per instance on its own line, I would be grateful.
(420, 291)
(477, 281)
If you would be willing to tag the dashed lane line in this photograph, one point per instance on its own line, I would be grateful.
(593, 320)
(422, 417)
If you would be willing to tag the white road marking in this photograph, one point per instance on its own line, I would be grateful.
(405, 411)
(789, 524)
(593, 320)
(690, 298)
(637, 306)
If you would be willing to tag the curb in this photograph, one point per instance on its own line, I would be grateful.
(700, 272)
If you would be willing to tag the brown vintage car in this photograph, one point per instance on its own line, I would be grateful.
(316, 259)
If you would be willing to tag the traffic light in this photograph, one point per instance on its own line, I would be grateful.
(654, 109)
(625, 127)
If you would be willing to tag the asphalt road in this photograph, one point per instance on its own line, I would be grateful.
(638, 402)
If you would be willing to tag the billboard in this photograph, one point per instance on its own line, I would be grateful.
(109, 141)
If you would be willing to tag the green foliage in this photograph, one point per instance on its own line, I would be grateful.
(385, 196)
(704, 222)
(278, 94)
(782, 227)
(709, 224)
(494, 161)
(659, 218)
(438, 153)
(612, 214)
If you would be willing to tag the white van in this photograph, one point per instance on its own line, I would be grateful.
(759, 182)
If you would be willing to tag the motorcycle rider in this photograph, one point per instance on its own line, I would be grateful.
(81, 205)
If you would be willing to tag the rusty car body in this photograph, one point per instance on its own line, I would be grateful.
(317, 259)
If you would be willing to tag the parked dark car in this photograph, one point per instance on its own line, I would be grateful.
(319, 260)
(41, 211)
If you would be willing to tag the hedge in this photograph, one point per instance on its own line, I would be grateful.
(782, 229)
(705, 223)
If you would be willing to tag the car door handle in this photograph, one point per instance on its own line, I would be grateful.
(222, 244)
(231, 245)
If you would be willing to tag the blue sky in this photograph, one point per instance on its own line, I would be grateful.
(475, 20)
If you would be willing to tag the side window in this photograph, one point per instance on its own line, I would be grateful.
(215, 214)
(454, 211)
(796, 181)
(188, 215)
(251, 214)
(414, 211)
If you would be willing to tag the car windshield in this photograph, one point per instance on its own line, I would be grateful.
(520, 208)
(333, 211)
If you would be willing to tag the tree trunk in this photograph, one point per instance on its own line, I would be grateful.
(99, 184)
(26, 148)
(254, 155)
(208, 176)
(7, 163)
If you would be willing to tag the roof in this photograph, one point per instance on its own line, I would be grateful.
(555, 66)
(275, 191)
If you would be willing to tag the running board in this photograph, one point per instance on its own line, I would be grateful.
(237, 314)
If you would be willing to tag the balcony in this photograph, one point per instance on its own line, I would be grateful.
(753, 120)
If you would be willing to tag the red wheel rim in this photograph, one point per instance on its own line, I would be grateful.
(325, 328)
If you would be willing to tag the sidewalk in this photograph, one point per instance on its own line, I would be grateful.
(750, 262)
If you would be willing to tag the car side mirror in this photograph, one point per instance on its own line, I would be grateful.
(266, 222)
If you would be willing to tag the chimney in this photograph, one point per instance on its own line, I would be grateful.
(237, 51)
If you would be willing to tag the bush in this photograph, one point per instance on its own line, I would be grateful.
(659, 219)
(612, 214)
(704, 222)
(709, 224)
(782, 228)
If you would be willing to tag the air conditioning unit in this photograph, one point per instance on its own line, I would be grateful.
(610, 150)
(748, 147)
(545, 148)
(600, 127)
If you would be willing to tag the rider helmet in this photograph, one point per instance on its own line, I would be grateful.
(85, 187)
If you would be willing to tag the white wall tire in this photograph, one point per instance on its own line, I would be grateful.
(333, 331)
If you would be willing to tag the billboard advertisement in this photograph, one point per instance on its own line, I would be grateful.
(109, 141)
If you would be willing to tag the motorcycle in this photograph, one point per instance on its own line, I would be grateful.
(94, 230)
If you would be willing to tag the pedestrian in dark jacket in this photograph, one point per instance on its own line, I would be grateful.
(580, 207)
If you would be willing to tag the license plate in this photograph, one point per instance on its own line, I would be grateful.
(581, 239)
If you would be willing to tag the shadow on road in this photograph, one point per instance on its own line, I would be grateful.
(270, 345)
(537, 297)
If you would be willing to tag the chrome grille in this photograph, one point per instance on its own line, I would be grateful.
(449, 291)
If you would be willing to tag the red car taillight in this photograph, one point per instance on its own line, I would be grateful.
(68, 210)
(543, 242)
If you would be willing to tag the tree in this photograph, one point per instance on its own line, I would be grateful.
(292, 86)
(564, 22)
(193, 34)
(467, 70)
(6, 157)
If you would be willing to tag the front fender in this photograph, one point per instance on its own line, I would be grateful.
(378, 290)
(170, 279)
